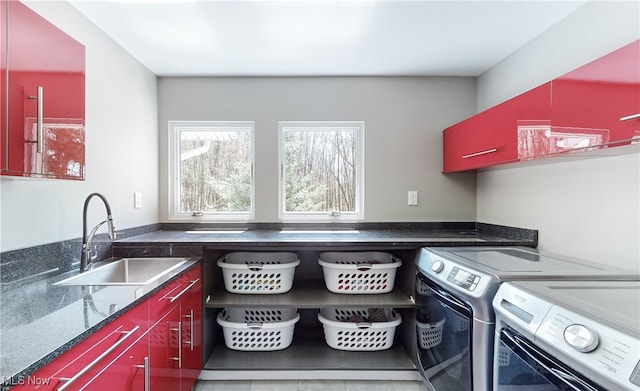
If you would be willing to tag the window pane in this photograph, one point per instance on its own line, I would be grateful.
(319, 169)
(215, 170)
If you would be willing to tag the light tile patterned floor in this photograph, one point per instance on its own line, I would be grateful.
(308, 385)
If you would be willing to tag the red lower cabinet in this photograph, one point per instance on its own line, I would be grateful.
(155, 346)
(176, 339)
(94, 359)
(129, 370)
(164, 349)
(191, 345)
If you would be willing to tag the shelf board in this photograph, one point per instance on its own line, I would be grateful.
(309, 294)
(309, 351)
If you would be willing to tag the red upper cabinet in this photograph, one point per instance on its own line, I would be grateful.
(599, 103)
(43, 104)
(491, 137)
(595, 106)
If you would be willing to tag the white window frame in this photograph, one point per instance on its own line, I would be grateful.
(356, 215)
(174, 171)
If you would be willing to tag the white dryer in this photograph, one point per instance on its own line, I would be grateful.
(567, 335)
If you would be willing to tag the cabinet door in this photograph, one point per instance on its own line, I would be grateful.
(46, 98)
(127, 371)
(77, 366)
(3, 85)
(491, 137)
(596, 103)
(164, 351)
(191, 316)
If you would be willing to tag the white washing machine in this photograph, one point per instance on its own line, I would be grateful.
(567, 335)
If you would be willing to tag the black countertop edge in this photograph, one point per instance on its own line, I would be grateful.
(277, 226)
(512, 233)
(470, 227)
(12, 380)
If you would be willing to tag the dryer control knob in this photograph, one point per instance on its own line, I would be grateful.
(581, 338)
(437, 266)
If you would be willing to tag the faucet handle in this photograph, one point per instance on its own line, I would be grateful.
(111, 228)
(93, 252)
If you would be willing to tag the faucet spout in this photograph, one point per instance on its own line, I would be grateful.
(87, 240)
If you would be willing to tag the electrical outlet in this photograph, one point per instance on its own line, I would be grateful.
(412, 198)
(137, 200)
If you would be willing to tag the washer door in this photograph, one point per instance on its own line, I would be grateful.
(520, 365)
(443, 327)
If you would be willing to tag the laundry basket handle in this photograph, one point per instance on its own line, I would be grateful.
(255, 325)
(254, 267)
(363, 325)
(363, 267)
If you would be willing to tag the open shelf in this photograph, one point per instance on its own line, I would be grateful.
(308, 356)
(309, 294)
(309, 352)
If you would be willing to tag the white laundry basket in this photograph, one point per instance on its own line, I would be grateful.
(258, 329)
(359, 272)
(351, 329)
(258, 272)
(430, 334)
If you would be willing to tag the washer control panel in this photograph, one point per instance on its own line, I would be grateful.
(463, 278)
(455, 275)
(606, 355)
(601, 349)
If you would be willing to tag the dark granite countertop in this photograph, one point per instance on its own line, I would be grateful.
(392, 235)
(40, 320)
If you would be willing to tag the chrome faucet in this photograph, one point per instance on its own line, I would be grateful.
(86, 256)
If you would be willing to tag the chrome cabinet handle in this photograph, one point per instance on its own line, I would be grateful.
(182, 292)
(69, 381)
(190, 317)
(485, 152)
(147, 376)
(39, 97)
(179, 358)
(628, 117)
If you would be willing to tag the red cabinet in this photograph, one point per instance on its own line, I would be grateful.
(79, 367)
(491, 137)
(164, 349)
(175, 340)
(191, 320)
(595, 106)
(156, 345)
(43, 103)
(128, 370)
(601, 100)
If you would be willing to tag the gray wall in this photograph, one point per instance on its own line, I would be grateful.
(121, 147)
(589, 208)
(404, 118)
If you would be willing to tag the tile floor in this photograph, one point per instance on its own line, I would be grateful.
(308, 385)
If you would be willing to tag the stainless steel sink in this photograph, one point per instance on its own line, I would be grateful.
(126, 271)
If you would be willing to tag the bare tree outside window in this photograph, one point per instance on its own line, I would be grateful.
(320, 168)
(214, 170)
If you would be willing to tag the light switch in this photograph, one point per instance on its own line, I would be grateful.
(137, 200)
(413, 198)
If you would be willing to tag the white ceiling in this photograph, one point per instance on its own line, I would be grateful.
(322, 38)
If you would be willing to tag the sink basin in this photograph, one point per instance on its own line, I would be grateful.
(126, 271)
